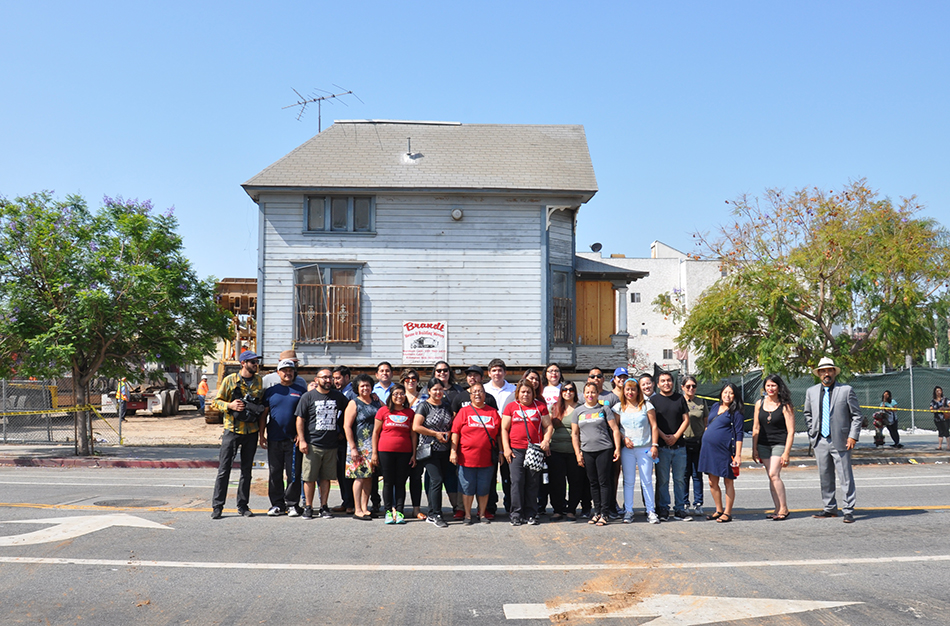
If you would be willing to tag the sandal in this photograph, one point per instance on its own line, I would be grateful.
(770, 516)
(779, 518)
(724, 518)
(601, 521)
(593, 519)
(715, 515)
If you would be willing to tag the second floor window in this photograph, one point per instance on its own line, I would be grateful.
(341, 214)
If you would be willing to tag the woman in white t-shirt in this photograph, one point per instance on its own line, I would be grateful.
(638, 427)
(552, 385)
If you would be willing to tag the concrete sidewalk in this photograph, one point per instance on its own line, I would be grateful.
(918, 449)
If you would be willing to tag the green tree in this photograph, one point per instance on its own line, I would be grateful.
(98, 293)
(810, 274)
(943, 344)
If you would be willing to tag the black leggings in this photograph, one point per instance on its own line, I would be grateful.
(437, 466)
(395, 469)
(599, 467)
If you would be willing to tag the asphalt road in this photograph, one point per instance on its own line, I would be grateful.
(138, 546)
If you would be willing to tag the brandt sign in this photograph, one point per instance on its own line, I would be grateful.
(423, 343)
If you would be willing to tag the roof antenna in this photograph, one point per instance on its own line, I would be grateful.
(304, 101)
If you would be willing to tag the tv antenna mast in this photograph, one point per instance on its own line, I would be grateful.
(329, 97)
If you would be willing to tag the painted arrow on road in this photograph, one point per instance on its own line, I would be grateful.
(671, 610)
(71, 527)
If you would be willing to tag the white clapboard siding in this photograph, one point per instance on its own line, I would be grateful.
(482, 275)
(561, 238)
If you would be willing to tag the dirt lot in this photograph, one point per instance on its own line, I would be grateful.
(185, 429)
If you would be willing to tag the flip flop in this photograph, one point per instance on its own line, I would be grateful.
(770, 516)
(780, 518)
(725, 518)
(715, 515)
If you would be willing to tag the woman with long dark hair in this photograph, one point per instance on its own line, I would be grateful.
(415, 397)
(433, 424)
(562, 464)
(394, 451)
(773, 432)
(722, 450)
(941, 409)
(890, 419)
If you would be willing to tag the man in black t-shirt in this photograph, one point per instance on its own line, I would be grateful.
(319, 423)
(461, 399)
(672, 419)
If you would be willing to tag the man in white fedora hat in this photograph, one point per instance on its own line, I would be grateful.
(834, 420)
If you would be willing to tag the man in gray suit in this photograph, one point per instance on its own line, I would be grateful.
(834, 424)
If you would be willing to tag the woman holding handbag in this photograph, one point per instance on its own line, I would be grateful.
(433, 423)
(596, 441)
(475, 432)
(526, 432)
(722, 449)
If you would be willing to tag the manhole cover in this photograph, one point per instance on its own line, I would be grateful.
(131, 503)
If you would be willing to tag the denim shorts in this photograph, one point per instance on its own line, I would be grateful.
(475, 481)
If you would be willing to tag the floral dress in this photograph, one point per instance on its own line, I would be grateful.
(363, 429)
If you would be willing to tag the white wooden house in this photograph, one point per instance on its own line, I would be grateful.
(373, 223)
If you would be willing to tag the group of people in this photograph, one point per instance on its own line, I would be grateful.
(545, 438)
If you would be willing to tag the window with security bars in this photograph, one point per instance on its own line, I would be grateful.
(562, 314)
(327, 304)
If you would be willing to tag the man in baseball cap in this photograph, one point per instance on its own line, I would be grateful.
(278, 438)
(274, 377)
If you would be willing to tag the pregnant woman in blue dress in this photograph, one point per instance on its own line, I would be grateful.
(722, 449)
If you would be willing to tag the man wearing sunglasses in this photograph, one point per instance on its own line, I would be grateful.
(240, 432)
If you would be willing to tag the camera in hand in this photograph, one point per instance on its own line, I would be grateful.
(253, 409)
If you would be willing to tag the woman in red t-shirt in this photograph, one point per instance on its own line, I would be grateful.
(394, 446)
(475, 431)
(525, 421)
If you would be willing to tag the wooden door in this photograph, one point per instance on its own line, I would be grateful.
(595, 313)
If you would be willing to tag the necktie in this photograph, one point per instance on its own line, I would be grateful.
(825, 411)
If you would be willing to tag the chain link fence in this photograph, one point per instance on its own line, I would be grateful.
(44, 411)
(912, 390)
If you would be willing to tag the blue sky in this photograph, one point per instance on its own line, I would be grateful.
(685, 104)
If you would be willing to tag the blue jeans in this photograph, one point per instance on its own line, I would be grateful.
(637, 460)
(201, 405)
(693, 473)
(671, 460)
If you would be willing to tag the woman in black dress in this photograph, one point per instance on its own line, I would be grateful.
(722, 449)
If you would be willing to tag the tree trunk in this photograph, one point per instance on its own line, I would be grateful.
(82, 417)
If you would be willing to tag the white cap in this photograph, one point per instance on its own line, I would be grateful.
(204, 377)
(287, 363)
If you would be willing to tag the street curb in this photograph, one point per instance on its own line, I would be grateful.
(110, 463)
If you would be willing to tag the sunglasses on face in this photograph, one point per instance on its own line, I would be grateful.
(596, 376)
(412, 378)
(441, 371)
(689, 386)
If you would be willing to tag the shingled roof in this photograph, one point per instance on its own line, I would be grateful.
(376, 154)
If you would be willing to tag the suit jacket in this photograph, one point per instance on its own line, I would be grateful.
(846, 415)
